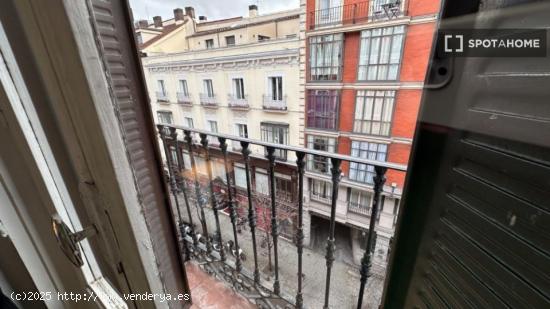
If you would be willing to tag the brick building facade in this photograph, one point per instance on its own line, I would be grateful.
(364, 64)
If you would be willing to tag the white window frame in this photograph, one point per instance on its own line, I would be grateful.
(183, 86)
(323, 51)
(237, 86)
(279, 95)
(364, 173)
(361, 199)
(236, 145)
(375, 64)
(161, 86)
(188, 122)
(374, 112)
(262, 189)
(206, 45)
(165, 112)
(240, 176)
(208, 87)
(316, 185)
(311, 159)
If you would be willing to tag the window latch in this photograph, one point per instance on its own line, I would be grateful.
(68, 241)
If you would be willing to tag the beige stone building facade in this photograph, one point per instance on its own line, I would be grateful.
(237, 76)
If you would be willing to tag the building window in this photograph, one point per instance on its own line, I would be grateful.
(380, 53)
(188, 122)
(262, 183)
(241, 130)
(373, 112)
(276, 88)
(283, 189)
(212, 126)
(218, 170)
(277, 134)
(316, 163)
(161, 87)
(165, 117)
(209, 43)
(240, 177)
(359, 201)
(208, 88)
(183, 87)
(322, 109)
(200, 164)
(366, 150)
(186, 161)
(230, 40)
(238, 88)
(320, 190)
(161, 91)
(325, 59)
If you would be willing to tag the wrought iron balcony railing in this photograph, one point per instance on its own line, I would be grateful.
(237, 102)
(205, 244)
(208, 100)
(184, 98)
(162, 96)
(276, 104)
(350, 14)
(358, 208)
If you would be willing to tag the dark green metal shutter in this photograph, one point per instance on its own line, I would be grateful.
(474, 230)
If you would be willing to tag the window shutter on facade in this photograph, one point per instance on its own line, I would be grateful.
(115, 37)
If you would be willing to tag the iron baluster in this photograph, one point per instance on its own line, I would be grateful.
(172, 175)
(232, 210)
(251, 210)
(300, 231)
(202, 218)
(204, 143)
(366, 261)
(170, 165)
(336, 175)
(274, 224)
(181, 184)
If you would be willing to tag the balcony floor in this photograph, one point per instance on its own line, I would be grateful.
(209, 293)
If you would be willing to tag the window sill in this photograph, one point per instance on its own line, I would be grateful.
(106, 295)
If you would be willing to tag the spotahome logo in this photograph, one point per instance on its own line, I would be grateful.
(493, 43)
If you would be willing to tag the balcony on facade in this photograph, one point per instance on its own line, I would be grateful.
(162, 97)
(358, 208)
(272, 103)
(209, 100)
(355, 13)
(184, 98)
(212, 192)
(236, 102)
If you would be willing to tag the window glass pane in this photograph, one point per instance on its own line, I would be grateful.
(165, 117)
(377, 107)
(262, 183)
(366, 150)
(240, 177)
(186, 161)
(326, 57)
(380, 53)
(200, 163)
(275, 133)
(322, 109)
